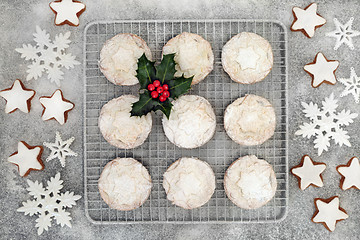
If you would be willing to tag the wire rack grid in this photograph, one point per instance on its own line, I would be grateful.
(157, 153)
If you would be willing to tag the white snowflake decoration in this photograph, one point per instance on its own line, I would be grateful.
(60, 149)
(352, 85)
(343, 34)
(48, 56)
(49, 203)
(326, 124)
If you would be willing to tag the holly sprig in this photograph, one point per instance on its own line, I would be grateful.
(147, 73)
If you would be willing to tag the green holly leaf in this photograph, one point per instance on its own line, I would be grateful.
(145, 105)
(165, 107)
(179, 86)
(166, 69)
(145, 72)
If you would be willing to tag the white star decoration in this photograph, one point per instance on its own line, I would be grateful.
(17, 97)
(60, 149)
(67, 11)
(352, 85)
(350, 174)
(307, 20)
(309, 173)
(329, 212)
(27, 158)
(343, 34)
(56, 107)
(322, 70)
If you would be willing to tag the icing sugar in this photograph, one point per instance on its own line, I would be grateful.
(192, 122)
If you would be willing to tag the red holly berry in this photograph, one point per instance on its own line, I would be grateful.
(151, 87)
(160, 89)
(156, 83)
(154, 94)
(165, 87)
(162, 98)
(166, 94)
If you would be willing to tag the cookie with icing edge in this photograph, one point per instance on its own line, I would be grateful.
(301, 165)
(312, 76)
(38, 158)
(67, 21)
(328, 200)
(302, 30)
(24, 89)
(343, 177)
(64, 100)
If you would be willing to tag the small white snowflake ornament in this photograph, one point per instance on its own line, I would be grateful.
(49, 203)
(352, 85)
(343, 34)
(60, 149)
(48, 56)
(326, 124)
(67, 12)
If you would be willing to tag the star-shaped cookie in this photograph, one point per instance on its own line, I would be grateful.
(27, 158)
(322, 70)
(307, 20)
(328, 212)
(56, 107)
(67, 12)
(17, 97)
(350, 174)
(309, 172)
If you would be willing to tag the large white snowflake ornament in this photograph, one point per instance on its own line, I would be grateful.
(343, 34)
(48, 56)
(326, 124)
(49, 203)
(352, 85)
(60, 149)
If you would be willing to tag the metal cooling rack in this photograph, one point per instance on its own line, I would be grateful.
(157, 153)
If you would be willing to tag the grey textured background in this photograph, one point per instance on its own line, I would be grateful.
(17, 23)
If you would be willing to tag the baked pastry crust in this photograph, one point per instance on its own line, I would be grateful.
(119, 57)
(250, 120)
(193, 56)
(247, 58)
(119, 128)
(250, 182)
(189, 182)
(192, 122)
(124, 184)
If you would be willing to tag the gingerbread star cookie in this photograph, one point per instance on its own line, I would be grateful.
(309, 172)
(307, 20)
(328, 212)
(17, 97)
(27, 158)
(322, 70)
(67, 12)
(56, 107)
(350, 174)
